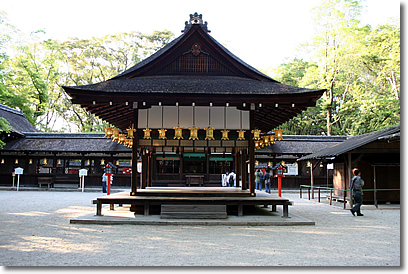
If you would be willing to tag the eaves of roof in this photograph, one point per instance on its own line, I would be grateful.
(351, 143)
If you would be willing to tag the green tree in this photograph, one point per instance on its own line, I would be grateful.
(359, 66)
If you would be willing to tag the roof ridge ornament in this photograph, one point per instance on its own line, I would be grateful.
(196, 19)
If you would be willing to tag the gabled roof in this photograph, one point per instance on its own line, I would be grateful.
(301, 144)
(17, 120)
(65, 142)
(194, 68)
(352, 143)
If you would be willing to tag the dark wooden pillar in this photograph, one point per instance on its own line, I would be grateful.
(150, 169)
(207, 163)
(252, 150)
(133, 179)
(244, 174)
(237, 164)
(181, 164)
(145, 169)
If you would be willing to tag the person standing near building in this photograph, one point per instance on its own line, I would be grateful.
(356, 186)
(258, 182)
(104, 181)
(225, 179)
(267, 181)
(231, 178)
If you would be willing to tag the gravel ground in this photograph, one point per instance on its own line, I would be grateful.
(35, 231)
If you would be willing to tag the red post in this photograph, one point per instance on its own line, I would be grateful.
(279, 173)
(109, 183)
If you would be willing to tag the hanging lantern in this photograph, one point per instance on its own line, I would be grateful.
(162, 133)
(266, 141)
(256, 133)
(225, 134)
(122, 138)
(102, 162)
(115, 134)
(108, 132)
(278, 134)
(44, 161)
(193, 133)
(178, 132)
(130, 132)
(209, 133)
(147, 133)
(241, 134)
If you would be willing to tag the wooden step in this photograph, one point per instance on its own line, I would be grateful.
(193, 212)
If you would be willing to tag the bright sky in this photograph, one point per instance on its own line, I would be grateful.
(260, 32)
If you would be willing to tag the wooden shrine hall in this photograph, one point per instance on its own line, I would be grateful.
(193, 101)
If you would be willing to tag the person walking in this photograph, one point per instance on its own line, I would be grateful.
(258, 182)
(267, 181)
(356, 187)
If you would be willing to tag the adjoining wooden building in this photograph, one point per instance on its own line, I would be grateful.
(376, 154)
(196, 101)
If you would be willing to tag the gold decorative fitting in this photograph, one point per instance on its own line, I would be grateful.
(178, 132)
(256, 133)
(225, 134)
(193, 133)
(241, 134)
(278, 134)
(108, 132)
(115, 134)
(130, 132)
(162, 133)
(147, 133)
(209, 133)
(122, 138)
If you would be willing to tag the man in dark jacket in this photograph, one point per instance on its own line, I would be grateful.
(356, 187)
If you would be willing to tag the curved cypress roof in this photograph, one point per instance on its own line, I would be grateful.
(194, 68)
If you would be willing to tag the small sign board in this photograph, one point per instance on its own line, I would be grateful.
(83, 172)
(18, 170)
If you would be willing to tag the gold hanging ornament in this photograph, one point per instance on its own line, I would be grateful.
(209, 133)
(224, 134)
(278, 134)
(108, 132)
(130, 132)
(178, 132)
(115, 134)
(147, 133)
(193, 133)
(256, 133)
(241, 134)
(162, 133)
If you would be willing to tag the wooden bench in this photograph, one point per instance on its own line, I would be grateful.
(45, 181)
(66, 182)
(193, 211)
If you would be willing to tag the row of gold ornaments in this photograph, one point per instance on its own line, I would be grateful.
(127, 139)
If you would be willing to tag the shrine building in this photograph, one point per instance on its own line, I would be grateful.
(193, 107)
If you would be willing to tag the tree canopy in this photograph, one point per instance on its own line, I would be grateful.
(358, 65)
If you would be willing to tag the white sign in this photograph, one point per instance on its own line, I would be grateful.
(83, 172)
(18, 170)
(330, 166)
(292, 170)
